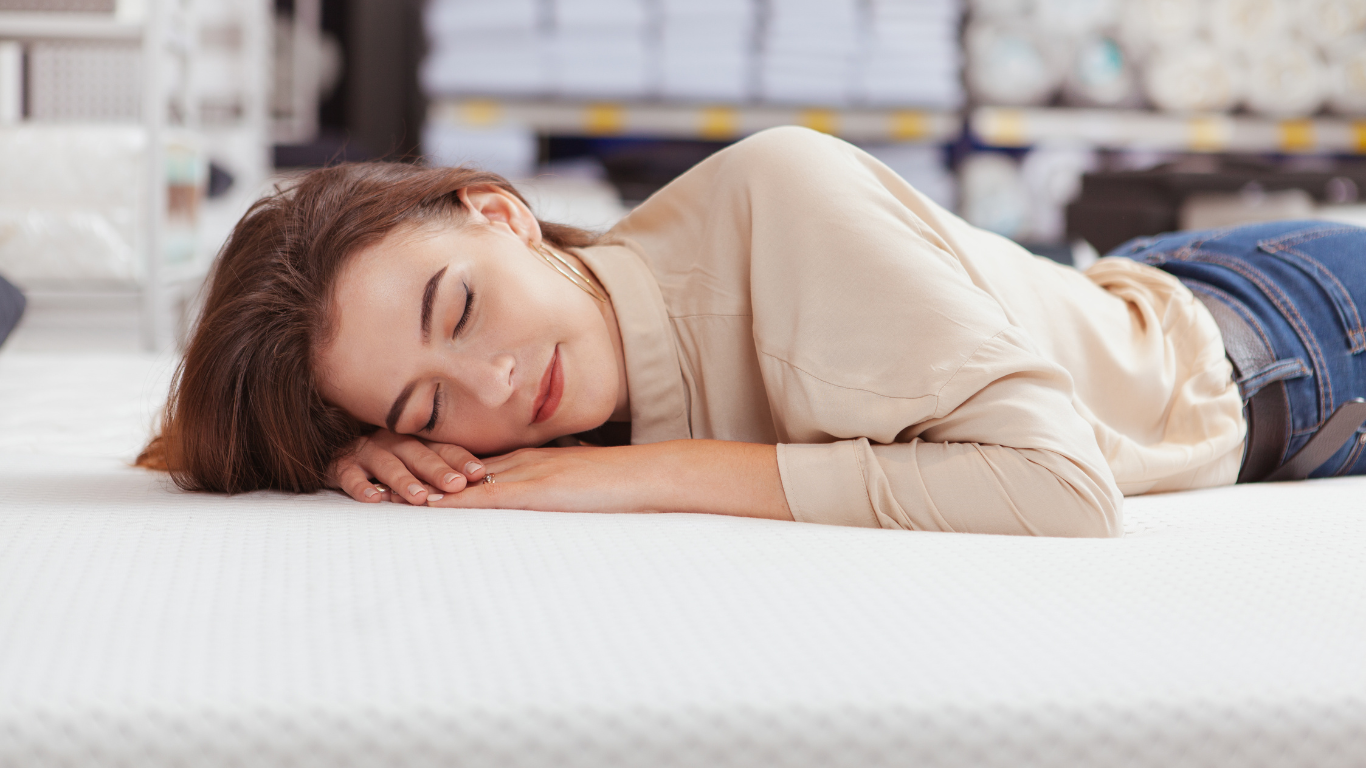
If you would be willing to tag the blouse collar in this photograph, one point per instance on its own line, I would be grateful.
(654, 378)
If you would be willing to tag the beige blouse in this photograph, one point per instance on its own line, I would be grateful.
(915, 372)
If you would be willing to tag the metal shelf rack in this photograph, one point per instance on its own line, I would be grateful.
(714, 122)
(1141, 129)
(167, 36)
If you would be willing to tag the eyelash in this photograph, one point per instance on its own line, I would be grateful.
(465, 318)
(460, 326)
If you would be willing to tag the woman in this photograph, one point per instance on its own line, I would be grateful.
(787, 331)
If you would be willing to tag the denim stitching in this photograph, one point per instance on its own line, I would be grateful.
(1291, 314)
(1304, 236)
(1356, 334)
(1193, 246)
(1236, 306)
(1290, 368)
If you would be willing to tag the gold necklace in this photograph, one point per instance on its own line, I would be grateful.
(564, 267)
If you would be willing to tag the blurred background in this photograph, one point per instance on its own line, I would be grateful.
(133, 133)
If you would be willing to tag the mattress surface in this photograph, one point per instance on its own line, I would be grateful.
(143, 626)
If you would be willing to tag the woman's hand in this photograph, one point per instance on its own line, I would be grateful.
(711, 476)
(410, 469)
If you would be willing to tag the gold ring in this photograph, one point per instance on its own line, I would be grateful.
(488, 479)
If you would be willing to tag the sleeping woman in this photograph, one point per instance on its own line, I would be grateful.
(786, 331)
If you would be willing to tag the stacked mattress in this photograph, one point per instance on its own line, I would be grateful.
(143, 626)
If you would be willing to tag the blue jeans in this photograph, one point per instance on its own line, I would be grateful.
(1302, 285)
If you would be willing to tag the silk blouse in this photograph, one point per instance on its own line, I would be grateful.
(914, 371)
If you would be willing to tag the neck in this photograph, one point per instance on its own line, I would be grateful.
(622, 411)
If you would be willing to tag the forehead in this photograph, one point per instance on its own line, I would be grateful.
(375, 310)
(406, 249)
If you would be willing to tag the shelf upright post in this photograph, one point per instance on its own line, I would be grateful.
(257, 52)
(156, 325)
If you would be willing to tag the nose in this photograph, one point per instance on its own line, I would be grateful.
(489, 380)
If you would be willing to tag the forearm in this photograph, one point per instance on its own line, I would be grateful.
(717, 477)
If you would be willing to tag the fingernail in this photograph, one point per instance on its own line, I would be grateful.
(371, 493)
(415, 489)
(473, 467)
(436, 497)
(448, 479)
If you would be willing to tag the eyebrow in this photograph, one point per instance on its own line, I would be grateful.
(428, 299)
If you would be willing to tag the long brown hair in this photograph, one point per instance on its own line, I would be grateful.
(244, 411)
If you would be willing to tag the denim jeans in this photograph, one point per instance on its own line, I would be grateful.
(1302, 285)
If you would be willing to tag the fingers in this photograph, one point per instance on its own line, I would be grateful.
(392, 472)
(461, 460)
(388, 467)
(443, 469)
(432, 493)
(355, 482)
(479, 496)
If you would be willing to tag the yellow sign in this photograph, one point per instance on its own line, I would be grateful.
(1297, 135)
(1005, 128)
(1208, 133)
(604, 119)
(481, 113)
(718, 123)
(823, 120)
(909, 126)
(1359, 136)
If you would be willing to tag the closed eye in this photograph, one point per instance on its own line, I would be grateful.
(436, 411)
(465, 316)
(459, 326)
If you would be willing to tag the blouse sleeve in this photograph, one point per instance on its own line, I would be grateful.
(902, 394)
(1004, 453)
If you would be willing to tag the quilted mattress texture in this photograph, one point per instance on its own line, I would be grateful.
(142, 626)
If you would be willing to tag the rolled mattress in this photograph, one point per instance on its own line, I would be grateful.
(144, 626)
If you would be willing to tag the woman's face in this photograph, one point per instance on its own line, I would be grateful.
(462, 334)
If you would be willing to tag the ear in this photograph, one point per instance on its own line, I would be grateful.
(501, 210)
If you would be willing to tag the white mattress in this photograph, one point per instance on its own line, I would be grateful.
(145, 627)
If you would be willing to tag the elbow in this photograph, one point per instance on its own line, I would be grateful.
(1095, 511)
(1102, 521)
(1075, 500)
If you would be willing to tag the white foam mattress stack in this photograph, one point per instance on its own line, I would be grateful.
(144, 626)
(71, 202)
(705, 49)
(600, 49)
(809, 51)
(481, 47)
(912, 55)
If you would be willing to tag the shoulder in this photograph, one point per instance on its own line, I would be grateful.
(783, 147)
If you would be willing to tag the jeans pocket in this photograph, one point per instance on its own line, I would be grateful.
(1288, 249)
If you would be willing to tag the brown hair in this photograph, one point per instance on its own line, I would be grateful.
(244, 411)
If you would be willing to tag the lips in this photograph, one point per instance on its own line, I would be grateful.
(550, 390)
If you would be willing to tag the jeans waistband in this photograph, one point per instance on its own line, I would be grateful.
(1261, 381)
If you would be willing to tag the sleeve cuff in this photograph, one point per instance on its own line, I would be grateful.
(824, 483)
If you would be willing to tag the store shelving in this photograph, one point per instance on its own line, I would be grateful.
(162, 33)
(712, 122)
(69, 26)
(1139, 129)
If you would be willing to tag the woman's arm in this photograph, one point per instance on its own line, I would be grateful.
(707, 476)
(406, 468)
